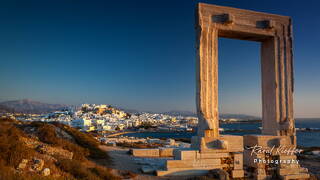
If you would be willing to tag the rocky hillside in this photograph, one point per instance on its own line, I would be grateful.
(49, 151)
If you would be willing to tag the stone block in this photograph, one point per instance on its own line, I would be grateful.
(201, 163)
(249, 159)
(287, 171)
(145, 152)
(235, 143)
(267, 141)
(262, 177)
(296, 176)
(189, 154)
(228, 143)
(291, 165)
(287, 157)
(212, 155)
(237, 161)
(261, 171)
(183, 172)
(166, 152)
(290, 171)
(237, 173)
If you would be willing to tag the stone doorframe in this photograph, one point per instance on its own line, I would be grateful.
(275, 34)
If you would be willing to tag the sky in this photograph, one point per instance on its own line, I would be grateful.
(141, 54)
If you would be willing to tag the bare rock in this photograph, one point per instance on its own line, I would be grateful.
(55, 151)
(23, 164)
(147, 169)
(62, 134)
(37, 164)
(170, 142)
(45, 172)
(30, 142)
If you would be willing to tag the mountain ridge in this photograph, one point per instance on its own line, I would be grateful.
(30, 106)
(221, 115)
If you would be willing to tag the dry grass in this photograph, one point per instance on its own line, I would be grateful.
(81, 171)
(13, 150)
(47, 134)
(86, 141)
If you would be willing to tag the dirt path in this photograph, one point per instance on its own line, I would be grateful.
(123, 161)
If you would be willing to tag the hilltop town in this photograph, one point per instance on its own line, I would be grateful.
(105, 118)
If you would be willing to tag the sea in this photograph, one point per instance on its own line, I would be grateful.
(304, 138)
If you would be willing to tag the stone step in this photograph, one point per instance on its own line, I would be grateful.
(292, 171)
(212, 155)
(195, 171)
(296, 176)
(201, 163)
(237, 173)
(188, 154)
(145, 152)
(183, 172)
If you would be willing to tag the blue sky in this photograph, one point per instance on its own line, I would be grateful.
(141, 54)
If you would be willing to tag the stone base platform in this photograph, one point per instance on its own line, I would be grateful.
(225, 152)
(161, 152)
(273, 157)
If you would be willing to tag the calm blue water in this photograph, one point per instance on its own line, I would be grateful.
(306, 139)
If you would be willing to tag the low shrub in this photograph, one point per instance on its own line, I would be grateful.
(86, 141)
(7, 173)
(47, 134)
(75, 168)
(104, 173)
(12, 149)
(79, 170)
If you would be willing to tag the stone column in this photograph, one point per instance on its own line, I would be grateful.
(277, 83)
(207, 79)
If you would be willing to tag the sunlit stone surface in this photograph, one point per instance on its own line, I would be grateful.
(210, 150)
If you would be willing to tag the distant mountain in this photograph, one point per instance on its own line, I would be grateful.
(239, 116)
(222, 115)
(5, 109)
(30, 106)
(180, 113)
